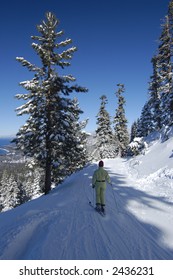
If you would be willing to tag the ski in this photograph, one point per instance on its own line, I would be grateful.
(103, 214)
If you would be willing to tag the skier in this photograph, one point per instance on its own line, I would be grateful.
(100, 177)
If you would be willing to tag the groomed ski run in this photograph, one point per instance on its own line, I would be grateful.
(61, 225)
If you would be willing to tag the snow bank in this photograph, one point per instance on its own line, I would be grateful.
(158, 155)
(152, 172)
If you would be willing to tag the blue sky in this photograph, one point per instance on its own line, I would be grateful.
(115, 39)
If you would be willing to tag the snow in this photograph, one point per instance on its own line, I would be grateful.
(62, 225)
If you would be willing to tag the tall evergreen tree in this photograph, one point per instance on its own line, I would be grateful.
(170, 104)
(104, 136)
(79, 156)
(138, 132)
(120, 122)
(46, 130)
(145, 125)
(133, 133)
(10, 193)
(154, 95)
(165, 72)
(3, 187)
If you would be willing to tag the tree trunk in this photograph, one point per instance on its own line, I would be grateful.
(48, 176)
(48, 164)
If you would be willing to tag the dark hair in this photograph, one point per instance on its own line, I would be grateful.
(101, 163)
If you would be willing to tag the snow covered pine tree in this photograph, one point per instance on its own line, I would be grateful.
(145, 125)
(165, 56)
(104, 136)
(158, 110)
(120, 123)
(154, 93)
(46, 130)
(9, 192)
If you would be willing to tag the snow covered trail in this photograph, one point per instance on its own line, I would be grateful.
(62, 225)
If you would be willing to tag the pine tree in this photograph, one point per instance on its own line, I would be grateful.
(13, 195)
(3, 188)
(36, 186)
(79, 156)
(3, 179)
(154, 95)
(10, 193)
(104, 136)
(170, 102)
(158, 110)
(139, 127)
(120, 122)
(165, 72)
(45, 131)
(133, 133)
(145, 126)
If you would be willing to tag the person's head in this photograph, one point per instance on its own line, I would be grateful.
(101, 163)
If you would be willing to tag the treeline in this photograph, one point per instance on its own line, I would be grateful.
(19, 182)
(157, 112)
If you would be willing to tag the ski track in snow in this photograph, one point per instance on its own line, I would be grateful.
(62, 225)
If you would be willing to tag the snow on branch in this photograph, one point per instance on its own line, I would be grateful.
(64, 43)
(26, 63)
(64, 64)
(67, 54)
(30, 85)
(60, 33)
(39, 38)
(69, 78)
(25, 108)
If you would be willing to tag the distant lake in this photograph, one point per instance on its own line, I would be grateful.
(4, 142)
(2, 152)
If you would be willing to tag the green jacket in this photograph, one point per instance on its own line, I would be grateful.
(100, 177)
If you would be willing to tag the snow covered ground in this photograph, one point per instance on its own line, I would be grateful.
(62, 225)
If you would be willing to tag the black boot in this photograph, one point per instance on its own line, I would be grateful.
(98, 207)
(103, 209)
